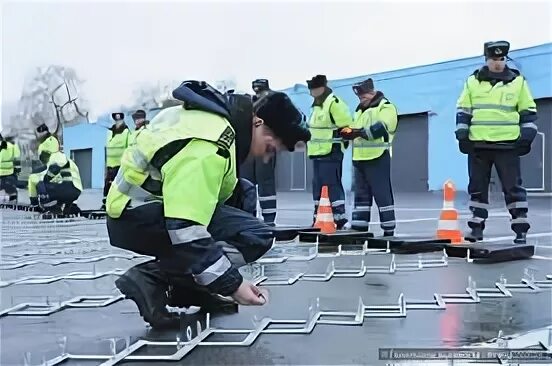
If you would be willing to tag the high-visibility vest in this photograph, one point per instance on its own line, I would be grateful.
(495, 109)
(384, 112)
(324, 125)
(69, 171)
(7, 158)
(115, 146)
(139, 179)
(134, 134)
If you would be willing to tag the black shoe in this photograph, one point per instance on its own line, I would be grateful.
(476, 234)
(340, 224)
(144, 284)
(521, 238)
(185, 293)
(389, 233)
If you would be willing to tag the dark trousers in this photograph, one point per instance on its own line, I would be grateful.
(57, 193)
(9, 184)
(142, 230)
(328, 171)
(507, 163)
(110, 175)
(372, 180)
(263, 175)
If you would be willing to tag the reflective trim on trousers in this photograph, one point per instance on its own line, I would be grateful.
(519, 220)
(268, 211)
(529, 125)
(188, 234)
(388, 224)
(267, 198)
(362, 209)
(214, 271)
(476, 220)
(338, 203)
(339, 217)
(522, 204)
(387, 208)
(475, 204)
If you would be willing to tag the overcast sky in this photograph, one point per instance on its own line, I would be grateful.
(115, 46)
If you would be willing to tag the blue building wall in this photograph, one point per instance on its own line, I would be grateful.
(431, 88)
(435, 88)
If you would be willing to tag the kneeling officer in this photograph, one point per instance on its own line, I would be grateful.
(176, 193)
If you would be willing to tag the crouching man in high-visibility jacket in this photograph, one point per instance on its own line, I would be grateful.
(59, 186)
(177, 197)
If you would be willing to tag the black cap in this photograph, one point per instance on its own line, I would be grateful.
(283, 118)
(363, 87)
(140, 113)
(42, 128)
(260, 84)
(317, 81)
(496, 49)
(118, 116)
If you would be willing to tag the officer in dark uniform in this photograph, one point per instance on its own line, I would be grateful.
(495, 125)
(260, 172)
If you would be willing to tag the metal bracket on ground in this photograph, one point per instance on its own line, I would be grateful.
(7, 265)
(332, 271)
(32, 280)
(47, 308)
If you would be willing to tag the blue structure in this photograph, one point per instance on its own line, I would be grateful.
(432, 89)
(435, 89)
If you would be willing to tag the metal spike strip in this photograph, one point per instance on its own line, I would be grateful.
(340, 252)
(31, 280)
(14, 265)
(262, 327)
(473, 295)
(45, 309)
(332, 271)
(56, 252)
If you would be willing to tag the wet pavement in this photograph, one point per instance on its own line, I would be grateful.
(86, 331)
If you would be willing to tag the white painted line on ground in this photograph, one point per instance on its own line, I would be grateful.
(500, 238)
(541, 257)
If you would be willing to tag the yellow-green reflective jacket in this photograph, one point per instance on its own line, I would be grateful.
(186, 158)
(115, 146)
(384, 112)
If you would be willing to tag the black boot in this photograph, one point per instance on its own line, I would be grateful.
(146, 285)
(184, 292)
(521, 238)
(476, 234)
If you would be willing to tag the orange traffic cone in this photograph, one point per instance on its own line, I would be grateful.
(324, 216)
(448, 221)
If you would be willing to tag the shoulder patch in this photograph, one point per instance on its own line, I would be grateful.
(226, 138)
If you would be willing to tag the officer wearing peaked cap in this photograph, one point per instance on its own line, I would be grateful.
(329, 114)
(140, 123)
(177, 198)
(373, 129)
(118, 139)
(260, 172)
(495, 125)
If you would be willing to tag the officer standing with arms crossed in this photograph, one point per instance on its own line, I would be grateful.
(373, 130)
(495, 125)
(329, 115)
(118, 139)
(177, 198)
(261, 172)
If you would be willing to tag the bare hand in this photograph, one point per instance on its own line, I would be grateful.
(249, 294)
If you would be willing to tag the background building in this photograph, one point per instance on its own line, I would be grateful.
(425, 152)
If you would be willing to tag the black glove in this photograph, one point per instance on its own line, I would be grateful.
(466, 146)
(523, 147)
(376, 131)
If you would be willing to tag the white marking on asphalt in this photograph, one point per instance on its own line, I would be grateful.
(500, 238)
